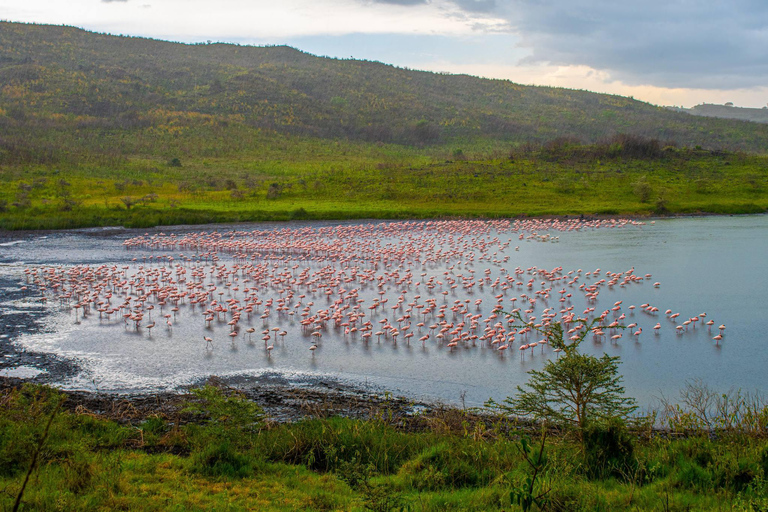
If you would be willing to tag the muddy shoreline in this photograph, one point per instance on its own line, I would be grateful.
(282, 399)
(282, 402)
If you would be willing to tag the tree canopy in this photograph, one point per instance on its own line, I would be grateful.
(574, 389)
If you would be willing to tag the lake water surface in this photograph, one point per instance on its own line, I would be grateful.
(712, 265)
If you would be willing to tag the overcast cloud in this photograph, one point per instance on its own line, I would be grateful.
(668, 43)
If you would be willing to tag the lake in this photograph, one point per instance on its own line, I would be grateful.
(382, 272)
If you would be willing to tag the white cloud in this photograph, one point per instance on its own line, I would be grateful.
(258, 19)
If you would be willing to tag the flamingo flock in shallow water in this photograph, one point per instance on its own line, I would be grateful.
(451, 283)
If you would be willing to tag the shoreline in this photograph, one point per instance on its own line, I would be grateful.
(112, 229)
(282, 401)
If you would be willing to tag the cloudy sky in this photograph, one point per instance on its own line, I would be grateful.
(667, 52)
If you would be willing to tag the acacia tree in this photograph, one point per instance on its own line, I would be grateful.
(573, 390)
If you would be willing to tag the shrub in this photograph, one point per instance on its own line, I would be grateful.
(642, 189)
(608, 449)
(764, 461)
(223, 417)
(274, 191)
(326, 445)
(440, 467)
(692, 476)
(221, 460)
(25, 413)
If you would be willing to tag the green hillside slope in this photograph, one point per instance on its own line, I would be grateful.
(55, 77)
(105, 130)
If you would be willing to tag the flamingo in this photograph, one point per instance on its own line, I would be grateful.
(268, 268)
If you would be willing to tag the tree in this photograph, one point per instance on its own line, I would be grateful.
(128, 201)
(573, 390)
(642, 189)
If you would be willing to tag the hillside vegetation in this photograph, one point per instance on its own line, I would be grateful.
(61, 78)
(757, 115)
(99, 130)
(219, 452)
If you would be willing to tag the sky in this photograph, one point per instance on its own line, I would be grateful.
(666, 52)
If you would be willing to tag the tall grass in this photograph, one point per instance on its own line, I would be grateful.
(218, 452)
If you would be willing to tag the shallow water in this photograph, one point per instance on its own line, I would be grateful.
(705, 264)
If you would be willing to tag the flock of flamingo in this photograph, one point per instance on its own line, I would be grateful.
(451, 283)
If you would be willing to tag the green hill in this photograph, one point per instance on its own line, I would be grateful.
(61, 77)
(104, 130)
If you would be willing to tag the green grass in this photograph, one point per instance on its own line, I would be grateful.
(365, 181)
(223, 456)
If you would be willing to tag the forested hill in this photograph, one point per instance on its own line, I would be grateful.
(57, 78)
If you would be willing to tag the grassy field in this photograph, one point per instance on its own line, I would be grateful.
(220, 453)
(354, 180)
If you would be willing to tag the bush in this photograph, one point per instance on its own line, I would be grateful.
(327, 445)
(692, 476)
(764, 461)
(221, 460)
(608, 449)
(223, 417)
(25, 413)
(642, 189)
(440, 467)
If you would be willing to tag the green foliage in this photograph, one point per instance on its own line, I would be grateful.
(25, 413)
(442, 466)
(753, 498)
(223, 416)
(327, 445)
(322, 180)
(74, 98)
(764, 461)
(532, 491)
(642, 189)
(220, 459)
(153, 429)
(609, 449)
(90, 463)
(573, 390)
(274, 191)
(376, 496)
